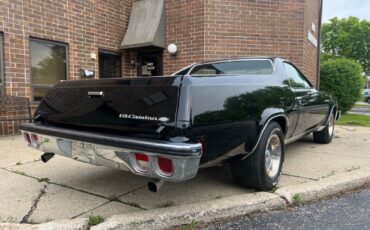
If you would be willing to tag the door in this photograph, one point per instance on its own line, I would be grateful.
(150, 64)
(311, 106)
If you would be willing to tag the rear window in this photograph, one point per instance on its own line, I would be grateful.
(245, 67)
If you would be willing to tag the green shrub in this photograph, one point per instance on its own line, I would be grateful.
(344, 80)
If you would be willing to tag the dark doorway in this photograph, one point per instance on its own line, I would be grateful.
(150, 64)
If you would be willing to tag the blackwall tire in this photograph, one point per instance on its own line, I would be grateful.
(326, 135)
(262, 170)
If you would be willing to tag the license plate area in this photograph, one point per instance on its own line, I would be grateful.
(84, 152)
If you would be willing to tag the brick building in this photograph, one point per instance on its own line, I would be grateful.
(44, 41)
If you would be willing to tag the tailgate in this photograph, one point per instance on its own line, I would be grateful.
(139, 105)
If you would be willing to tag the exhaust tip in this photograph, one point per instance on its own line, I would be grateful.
(46, 157)
(154, 186)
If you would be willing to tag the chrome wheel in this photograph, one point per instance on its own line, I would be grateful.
(273, 155)
(331, 125)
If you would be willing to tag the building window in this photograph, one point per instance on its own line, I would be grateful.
(109, 65)
(1, 65)
(48, 65)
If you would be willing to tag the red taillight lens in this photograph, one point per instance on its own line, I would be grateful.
(27, 137)
(34, 137)
(165, 165)
(35, 140)
(142, 161)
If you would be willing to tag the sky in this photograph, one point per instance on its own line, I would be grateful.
(345, 8)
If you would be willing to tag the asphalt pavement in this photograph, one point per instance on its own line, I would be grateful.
(351, 211)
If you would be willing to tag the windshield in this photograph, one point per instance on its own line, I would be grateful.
(243, 67)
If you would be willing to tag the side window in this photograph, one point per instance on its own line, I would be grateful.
(182, 72)
(1, 66)
(295, 78)
(204, 70)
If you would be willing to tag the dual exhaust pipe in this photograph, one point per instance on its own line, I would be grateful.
(153, 186)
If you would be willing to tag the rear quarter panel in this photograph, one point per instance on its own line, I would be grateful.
(227, 113)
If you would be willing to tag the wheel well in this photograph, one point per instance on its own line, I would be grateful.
(282, 122)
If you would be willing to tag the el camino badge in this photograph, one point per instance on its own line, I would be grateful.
(148, 118)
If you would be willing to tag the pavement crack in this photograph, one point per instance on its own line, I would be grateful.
(90, 210)
(34, 206)
(21, 163)
(302, 177)
(131, 191)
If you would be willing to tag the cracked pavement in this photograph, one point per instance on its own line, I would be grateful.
(34, 192)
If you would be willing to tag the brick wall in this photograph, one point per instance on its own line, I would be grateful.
(311, 14)
(13, 111)
(185, 28)
(217, 29)
(86, 26)
(202, 30)
(260, 28)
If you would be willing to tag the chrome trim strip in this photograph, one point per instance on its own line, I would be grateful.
(331, 111)
(170, 148)
(299, 136)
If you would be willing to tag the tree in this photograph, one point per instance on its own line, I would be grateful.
(348, 37)
(343, 79)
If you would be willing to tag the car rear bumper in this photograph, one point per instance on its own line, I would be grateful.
(116, 151)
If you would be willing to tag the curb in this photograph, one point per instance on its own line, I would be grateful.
(203, 212)
(326, 187)
(80, 223)
(209, 211)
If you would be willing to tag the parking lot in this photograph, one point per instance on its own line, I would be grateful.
(34, 192)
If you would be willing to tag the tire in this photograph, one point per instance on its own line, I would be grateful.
(254, 172)
(326, 135)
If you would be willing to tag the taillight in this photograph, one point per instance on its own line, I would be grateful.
(35, 140)
(165, 166)
(27, 137)
(202, 142)
(142, 160)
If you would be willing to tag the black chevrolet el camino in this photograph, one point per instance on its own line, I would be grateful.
(241, 111)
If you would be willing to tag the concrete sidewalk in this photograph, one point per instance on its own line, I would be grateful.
(34, 192)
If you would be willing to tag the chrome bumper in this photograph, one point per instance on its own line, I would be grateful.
(117, 151)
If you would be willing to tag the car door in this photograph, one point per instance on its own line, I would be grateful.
(311, 104)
